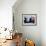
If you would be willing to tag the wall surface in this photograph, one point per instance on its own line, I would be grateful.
(6, 13)
(43, 22)
(28, 7)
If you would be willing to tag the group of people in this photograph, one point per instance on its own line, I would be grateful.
(31, 20)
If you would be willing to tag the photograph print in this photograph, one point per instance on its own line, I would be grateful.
(29, 19)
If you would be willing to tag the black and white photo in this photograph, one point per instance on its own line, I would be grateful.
(29, 19)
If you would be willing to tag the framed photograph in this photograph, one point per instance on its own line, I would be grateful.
(29, 19)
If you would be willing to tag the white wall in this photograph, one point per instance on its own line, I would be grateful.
(43, 22)
(28, 7)
(6, 13)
